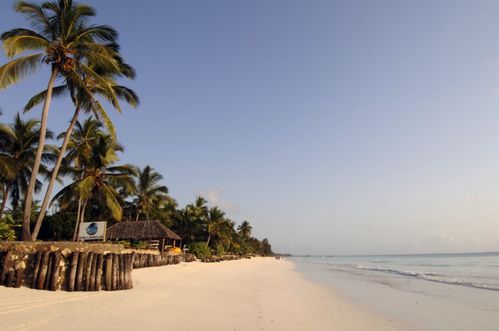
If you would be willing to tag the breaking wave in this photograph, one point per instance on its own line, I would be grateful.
(434, 277)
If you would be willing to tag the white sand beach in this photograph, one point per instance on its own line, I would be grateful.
(256, 294)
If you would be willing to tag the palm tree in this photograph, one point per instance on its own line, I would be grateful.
(84, 99)
(190, 222)
(7, 166)
(245, 230)
(62, 39)
(199, 209)
(79, 150)
(19, 150)
(81, 142)
(148, 190)
(216, 223)
(99, 179)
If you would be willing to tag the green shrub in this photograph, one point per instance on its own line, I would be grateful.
(200, 249)
(137, 244)
(7, 228)
(125, 243)
(220, 250)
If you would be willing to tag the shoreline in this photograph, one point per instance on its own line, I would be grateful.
(415, 304)
(261, 293)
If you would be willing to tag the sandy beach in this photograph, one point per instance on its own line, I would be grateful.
(256, 294)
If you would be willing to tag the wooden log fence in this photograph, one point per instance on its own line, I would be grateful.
(142, 260)
(214, 258)
(77, 271)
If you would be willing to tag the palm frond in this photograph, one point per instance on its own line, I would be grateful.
(37, 17)
(102, 115)
(127, 94)
(101, 33)
(17, 41)
(15, 70)
(112, 201)
(57, 91)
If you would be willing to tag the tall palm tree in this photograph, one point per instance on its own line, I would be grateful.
(149, 191)
(190, 222)
(245, 230)
(79, 150)
(7, 166)
(100, 180)
(81, 142)
(61, 38)
(216, 224)
(84, 98)
(19, 150)
(199, 209)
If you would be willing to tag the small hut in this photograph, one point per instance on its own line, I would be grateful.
(156, 234)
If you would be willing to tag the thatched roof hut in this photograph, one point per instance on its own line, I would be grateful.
(142, 230)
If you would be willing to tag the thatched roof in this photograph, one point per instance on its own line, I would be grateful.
(140, 230)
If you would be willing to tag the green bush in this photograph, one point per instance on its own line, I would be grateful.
(125, 243)
(200, 249)
(137, 244)
(7, 228)
(220, 250)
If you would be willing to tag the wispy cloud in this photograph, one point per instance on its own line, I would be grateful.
(214, 198)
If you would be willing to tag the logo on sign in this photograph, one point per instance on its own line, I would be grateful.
(92, 229)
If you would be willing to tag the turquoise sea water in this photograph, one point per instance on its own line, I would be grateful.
(477, 270)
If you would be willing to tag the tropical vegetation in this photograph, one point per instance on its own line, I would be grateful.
(83, 162)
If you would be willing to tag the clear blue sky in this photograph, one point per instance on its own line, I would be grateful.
(332, 126)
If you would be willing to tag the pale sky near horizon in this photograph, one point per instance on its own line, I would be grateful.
(334, 127)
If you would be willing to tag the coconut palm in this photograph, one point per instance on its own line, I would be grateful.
(61, 38)
(99, 179)
(226, 234)
(19, 150)
(149, 191)
(7, 166)
(190, 222)
(84, 98)
(79, 150)
(83, 138)
(216, 224)
(245, 230)
(199, 209)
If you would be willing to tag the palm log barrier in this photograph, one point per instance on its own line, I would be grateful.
(143, 260)
(63, 270)
(214, 258)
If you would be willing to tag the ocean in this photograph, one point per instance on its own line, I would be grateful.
(478, 270)
(420, 292)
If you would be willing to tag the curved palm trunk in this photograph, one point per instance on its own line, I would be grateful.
(28, 199)
(77, 225)
(79, 220)
(208, 241)
(55, 172)
(4, 201)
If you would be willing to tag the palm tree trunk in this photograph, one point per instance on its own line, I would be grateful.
(28, 199)
(4, 201)
(208, 241)
(81, 218)
(77, 224)
(55, 172)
